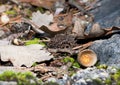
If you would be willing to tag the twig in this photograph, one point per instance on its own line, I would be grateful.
(63, 50)
(83, 46)
(35, 27)
(76, 4)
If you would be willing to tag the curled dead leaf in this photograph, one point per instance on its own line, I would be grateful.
(43, 21)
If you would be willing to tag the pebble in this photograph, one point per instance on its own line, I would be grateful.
(86, 76)
(8, 83)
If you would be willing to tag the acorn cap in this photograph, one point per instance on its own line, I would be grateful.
(87, 58)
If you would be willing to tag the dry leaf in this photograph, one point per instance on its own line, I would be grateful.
(42, 19)
(43, 22)
(2, 8)
(24, 55)
(48, 4)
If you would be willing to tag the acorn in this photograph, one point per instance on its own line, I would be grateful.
(87, 58)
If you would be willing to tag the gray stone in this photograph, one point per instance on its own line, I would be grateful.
(111, 70)
(108, 51)
(80, 82)
(91, 73)
(86, 76)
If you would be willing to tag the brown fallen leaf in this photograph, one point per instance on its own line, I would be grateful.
(48, 4)
(43, 21)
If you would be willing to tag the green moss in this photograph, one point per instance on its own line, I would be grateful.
(114, 78)
(68, 59)
(11, 12)
(34, 41)
(7, 76)
(75, 64)
(20, 78)
(102, 66)
(108, 81)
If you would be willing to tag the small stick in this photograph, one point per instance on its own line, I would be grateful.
(83, 46)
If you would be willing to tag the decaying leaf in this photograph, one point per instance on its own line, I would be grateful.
(2, 8)
(43, 21)
(47, 4)
(24, 55)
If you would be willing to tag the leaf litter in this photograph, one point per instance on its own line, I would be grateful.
(65, 27)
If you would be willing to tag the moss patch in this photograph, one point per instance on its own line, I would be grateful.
(21, 78)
